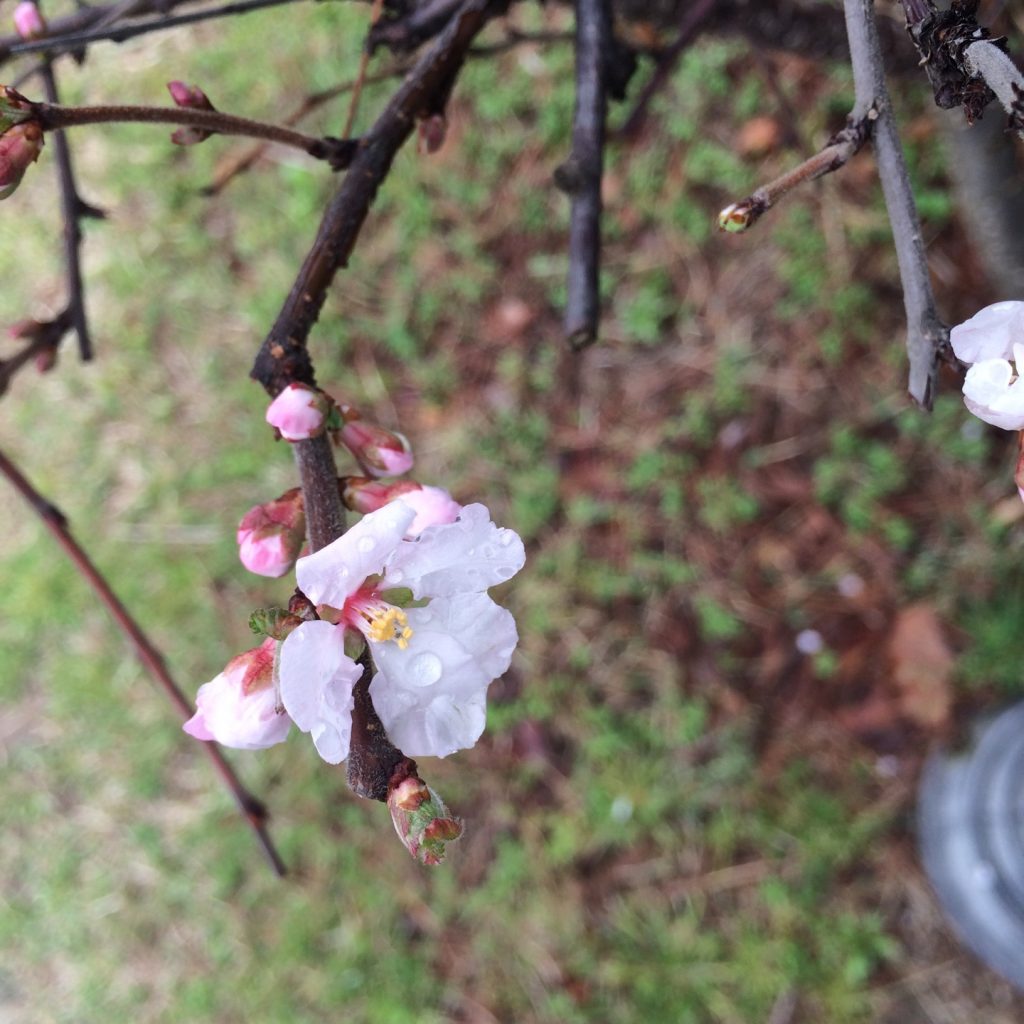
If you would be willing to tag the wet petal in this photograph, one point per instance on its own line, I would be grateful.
(990, 333)
(334, 573)
(317, 678)
(466, 556)
(993, 395)
(430, 728)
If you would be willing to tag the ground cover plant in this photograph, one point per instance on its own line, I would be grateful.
(692, 799)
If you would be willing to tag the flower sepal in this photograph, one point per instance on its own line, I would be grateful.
(422, 820)
(14, 108)
(275, 623)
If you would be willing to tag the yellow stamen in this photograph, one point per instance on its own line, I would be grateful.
(388, 623)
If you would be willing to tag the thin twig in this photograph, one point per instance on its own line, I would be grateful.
(694, 15)
(252, 808)
(364, 64)
(283, 357)
(56, 44)
(236, 164)
(337, 152)
(839, 149)
(926, 333)
(40, 338)
(72, 209)
(580, 176)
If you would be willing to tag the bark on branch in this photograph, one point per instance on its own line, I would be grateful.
(926, 333)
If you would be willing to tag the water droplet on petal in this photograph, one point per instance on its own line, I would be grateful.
(506, 538)
(366, 544)
(395, 575)
(425, 669)
(506, 572)
(488, 551)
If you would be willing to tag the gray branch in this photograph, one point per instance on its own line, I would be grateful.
(926, 332)
(1002, 76)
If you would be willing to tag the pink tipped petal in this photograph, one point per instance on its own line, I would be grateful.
(990, 333)
(244, 721)
(28, 22)
(469, 555)
(265, 556)
(331, 575)
(299, 412)
(433, 506)
(317, 679)
(196, 726)
(393, 462)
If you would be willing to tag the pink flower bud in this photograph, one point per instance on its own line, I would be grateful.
(194, 97)
(270, 536)
(433, 506)
(20, 146)
(299, 412)
(28, 22)
(422, 821)
(380, 452)
(239, 708)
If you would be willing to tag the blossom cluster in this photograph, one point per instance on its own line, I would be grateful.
(407, 583)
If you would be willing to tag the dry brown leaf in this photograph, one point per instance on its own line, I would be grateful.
(922, 666)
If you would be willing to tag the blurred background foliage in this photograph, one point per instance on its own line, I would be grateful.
(693, 799)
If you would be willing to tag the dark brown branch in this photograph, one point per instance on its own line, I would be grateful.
(839, 149)
(41, 338)
(72, 210)
(926, 333)
(580, 176)
(283, 357)
(694, 16)
(251, 807)
(337, 152)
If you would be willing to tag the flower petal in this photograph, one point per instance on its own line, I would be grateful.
(317, 679)
(335, 573)
(990, 333)
(466, 556)
(432, 696)
(483, 629)
(431, 728)
(993, 395)
(225, 713)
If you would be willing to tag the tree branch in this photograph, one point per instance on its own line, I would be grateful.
(580, 176)
(73, 209)
(284, 358)
(337, 152)
(252, 808)
(965, 64)
(838, 151)
(75, 40)
(694, 16)
(926, 333)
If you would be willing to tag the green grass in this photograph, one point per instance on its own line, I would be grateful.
(649, 837)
